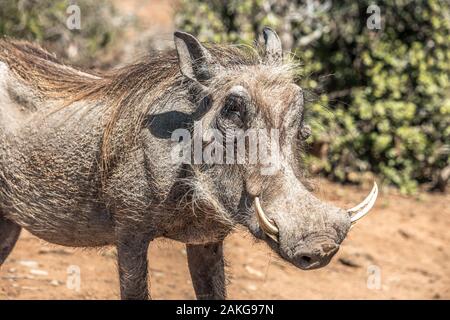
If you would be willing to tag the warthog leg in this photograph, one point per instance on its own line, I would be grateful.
(9, 233)
(206, 266)
(133, 273)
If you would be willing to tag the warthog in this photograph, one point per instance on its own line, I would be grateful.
(85, 159)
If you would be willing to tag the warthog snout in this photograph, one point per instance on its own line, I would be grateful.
(309, 241)
(315, 255)
(305, 230)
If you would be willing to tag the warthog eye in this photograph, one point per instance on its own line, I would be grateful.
(234, 109)
(305, 132)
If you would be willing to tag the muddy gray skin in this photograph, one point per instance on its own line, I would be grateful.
(85, 159)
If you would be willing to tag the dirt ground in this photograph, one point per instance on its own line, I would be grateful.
(399, 251)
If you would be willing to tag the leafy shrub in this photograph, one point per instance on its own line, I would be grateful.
(380, 99)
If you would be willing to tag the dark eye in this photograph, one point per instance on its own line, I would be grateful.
(305, 132)
(234, 109)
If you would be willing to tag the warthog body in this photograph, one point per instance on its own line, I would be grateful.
(85, 159)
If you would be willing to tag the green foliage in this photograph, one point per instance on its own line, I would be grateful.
(44, 21)
(381, 98)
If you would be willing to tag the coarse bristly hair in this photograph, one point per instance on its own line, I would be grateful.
(128, 91)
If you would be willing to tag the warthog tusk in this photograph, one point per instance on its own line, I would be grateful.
(269, 228)
(364, 207)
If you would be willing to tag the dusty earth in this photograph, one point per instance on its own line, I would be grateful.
(400, 251)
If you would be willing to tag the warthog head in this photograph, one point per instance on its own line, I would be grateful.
(267, 197)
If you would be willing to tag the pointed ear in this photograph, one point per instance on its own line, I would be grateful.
(195, 60)
(272, 44)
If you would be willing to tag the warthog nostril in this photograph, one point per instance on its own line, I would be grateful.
(316, 256)
(305, 259)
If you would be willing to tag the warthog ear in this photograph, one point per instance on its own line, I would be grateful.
(273, 51)
(195, 60)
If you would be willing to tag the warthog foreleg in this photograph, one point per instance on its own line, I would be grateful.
(133, 273)
(9, 233)
(206, 265)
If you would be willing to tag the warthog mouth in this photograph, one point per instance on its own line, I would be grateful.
(356, 213)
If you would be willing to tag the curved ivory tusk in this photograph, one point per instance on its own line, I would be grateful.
(365, 201)
(266, 225)
(365, 206)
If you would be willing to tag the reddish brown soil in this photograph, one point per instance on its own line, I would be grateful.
(406, 239)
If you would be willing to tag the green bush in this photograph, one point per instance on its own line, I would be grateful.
(380, 99)
(44, 21)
